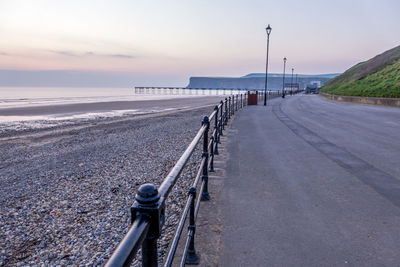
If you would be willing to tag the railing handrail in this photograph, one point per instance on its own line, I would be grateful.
(128, 247)
(148, 210)
(170, 180)
(195, 88)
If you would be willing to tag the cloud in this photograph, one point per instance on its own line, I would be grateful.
(89, 53)
(3, 54)
(64, 53)
(122, 56)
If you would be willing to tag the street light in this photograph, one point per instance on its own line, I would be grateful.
(291, 83)
(283, 85)
(268, 29)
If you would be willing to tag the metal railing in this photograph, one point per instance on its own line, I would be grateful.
(148, 210)
(192, 91)
(270, 95)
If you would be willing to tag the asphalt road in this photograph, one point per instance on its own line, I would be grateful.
(311, 182)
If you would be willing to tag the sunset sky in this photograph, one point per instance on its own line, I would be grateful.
(165, 42)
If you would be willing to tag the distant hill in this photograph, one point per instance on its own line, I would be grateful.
(377, 77)
(257, 81)
(262, 75)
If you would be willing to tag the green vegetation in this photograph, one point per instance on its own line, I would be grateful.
(377, 77)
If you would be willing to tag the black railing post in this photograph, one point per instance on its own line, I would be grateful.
(241, 100)
(237, 102)
(212, 154)
(221, 122)
(226, 112)
(233, 105)
(148, 204)
(205, 195)
(229, 108)
(216, 130)
(192, 257)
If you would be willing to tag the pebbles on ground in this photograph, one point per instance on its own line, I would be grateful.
(65, 195)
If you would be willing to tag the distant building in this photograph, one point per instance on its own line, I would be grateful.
(312, 89)
(316, 83)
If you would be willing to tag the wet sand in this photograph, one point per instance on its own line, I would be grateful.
(108, 106)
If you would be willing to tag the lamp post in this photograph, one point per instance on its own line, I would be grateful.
(291, 83)
(268, 29)
(283, 85)
(297, 84)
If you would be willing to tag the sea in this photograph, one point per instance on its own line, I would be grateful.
(25, 97)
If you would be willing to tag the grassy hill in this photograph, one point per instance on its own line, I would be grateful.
(377, 77)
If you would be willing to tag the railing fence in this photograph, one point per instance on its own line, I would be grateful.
(148, 210)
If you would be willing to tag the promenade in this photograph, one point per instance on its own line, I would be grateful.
(308, 182)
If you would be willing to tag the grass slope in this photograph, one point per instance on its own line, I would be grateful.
(377, 77)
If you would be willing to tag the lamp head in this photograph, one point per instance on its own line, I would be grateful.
(268, 29)
(284, 59)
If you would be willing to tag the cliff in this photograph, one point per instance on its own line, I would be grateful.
(256, 81)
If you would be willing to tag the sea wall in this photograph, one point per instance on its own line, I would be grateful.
(392, 102)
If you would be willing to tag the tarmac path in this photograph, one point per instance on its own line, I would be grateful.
(311, 182)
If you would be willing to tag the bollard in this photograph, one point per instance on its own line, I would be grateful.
(205, 195)
(148, 204)
(241, 100)
(192, 257)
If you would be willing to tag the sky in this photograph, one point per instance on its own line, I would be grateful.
(163, 43)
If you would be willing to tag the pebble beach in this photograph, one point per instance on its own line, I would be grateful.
(66, 191)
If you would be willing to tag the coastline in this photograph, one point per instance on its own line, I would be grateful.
(33, 118)
(106, 106)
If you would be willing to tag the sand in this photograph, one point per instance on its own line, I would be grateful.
(109, 106)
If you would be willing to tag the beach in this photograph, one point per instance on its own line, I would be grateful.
(66, 189)
(143, 105)
(27, 117)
